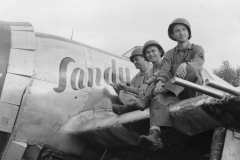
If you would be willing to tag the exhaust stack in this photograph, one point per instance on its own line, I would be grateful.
(222, 87)
(196, 87)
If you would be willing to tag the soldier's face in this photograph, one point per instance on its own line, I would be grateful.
(180, 33)
(138, 61)
(153, 54)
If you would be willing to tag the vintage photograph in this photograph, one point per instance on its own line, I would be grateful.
(119, 80)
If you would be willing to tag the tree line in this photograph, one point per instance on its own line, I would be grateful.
(228, 73)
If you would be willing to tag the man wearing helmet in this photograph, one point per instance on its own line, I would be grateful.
(131, 95)
(153, 52)
(184, 61)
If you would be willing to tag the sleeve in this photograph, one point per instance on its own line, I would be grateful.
(164, 73)
(198, 58)
(133, 82)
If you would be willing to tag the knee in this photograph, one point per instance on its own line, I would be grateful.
(157, 98)
(192, 71)
(122, 95)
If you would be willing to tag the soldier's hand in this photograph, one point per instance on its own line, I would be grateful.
(150, 89)
(181, 71)
(115, 86)
(159, 88)
(122, 86)
(143, 88)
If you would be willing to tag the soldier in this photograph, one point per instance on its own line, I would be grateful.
(153, 52)
(184, 61)
(132, 96)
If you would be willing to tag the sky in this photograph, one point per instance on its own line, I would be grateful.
(117, 26)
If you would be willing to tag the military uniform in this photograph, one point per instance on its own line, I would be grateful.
(128, 98)
(194, 57)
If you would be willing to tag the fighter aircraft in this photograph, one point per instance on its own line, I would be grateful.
(56, 104)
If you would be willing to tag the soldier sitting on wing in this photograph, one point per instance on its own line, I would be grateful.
(135, 96)
(153, 52)
(184, 61)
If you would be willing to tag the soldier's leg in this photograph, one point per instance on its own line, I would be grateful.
(193, 75)
(127, 98)
(159, 116)
(159, 111)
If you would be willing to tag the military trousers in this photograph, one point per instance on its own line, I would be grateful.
(159, 111)
(127, 98)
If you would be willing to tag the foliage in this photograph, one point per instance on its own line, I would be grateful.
(228, 73)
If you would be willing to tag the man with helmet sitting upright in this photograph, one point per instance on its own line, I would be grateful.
(130, 95)
(184, 61)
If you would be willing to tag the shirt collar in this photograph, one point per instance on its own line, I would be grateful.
(189, 46)
(143, 73)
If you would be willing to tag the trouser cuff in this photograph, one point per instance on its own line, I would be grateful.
(155, 128)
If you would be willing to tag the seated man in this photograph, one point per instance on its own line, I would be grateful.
(131, 95)
(184, 61)
(153, 52)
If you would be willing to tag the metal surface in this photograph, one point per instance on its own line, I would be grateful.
(15, 151)
(68, 142)
(189, 116)
(107, 131)
(21, 26)
(8, 115)
(128, 53)
(231, 147)
(60, 59)
(46, 110)
(8, 92)
(65, 57)
(13, 88)
(54, 97)
(21, 62)
(225, 88)
(197, 87)
(217, 143)
(209, 75)
(195, 115)
(5, 46)
(23, 40)
(72, 42)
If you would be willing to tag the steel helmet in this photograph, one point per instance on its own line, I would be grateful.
(136, 52)
(179, 21)
(152, 43)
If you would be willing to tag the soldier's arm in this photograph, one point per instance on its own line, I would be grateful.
(129, 88)
(164, 74)
(122, 86)
(198, 59)
(150, 80)
(133, 81)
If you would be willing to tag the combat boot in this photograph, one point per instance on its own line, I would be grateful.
(121, 109)
(152, 140)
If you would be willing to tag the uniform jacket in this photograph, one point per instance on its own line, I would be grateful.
(141, 77)
(194, 55)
